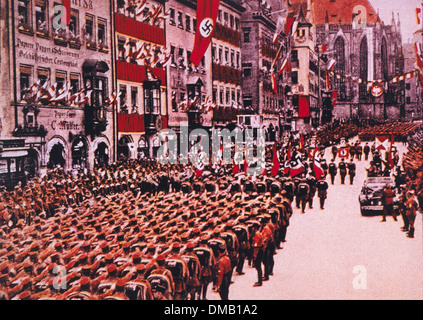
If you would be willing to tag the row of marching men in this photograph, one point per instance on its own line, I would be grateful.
(117, 247)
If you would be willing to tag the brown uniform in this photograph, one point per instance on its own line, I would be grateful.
(223, 276)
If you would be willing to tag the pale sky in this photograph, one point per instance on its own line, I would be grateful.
(406, 9)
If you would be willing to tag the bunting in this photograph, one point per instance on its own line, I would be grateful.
(352, 79)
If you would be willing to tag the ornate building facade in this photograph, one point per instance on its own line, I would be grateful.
(190, 86)
(60, 76)
(262, 56)
(141, 55)
(367, 53)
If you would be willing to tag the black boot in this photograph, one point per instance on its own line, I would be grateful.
(411, 233)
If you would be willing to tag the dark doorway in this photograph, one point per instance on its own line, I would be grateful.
(56, 156)
(102, 155)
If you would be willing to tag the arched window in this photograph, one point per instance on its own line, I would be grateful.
(363, 68)
(384, 53)
(340, 67)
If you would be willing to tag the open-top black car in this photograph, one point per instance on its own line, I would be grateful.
(371, 195)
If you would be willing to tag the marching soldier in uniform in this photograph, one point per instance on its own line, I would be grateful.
(241, 230)
(334, 151)
(366, 151)
(351, 170)
(296, 182)
(410, 209)
(179, 280)
(324, 165)
(303, 194)
(352, 151)
(268, 245)
(311, 181)
(289, 188)
(224, 272)
(208, 261)
(333, 170)
(258, 251)
(402, 209)
(232, 244)
(322, 187)
(342, 170)
(359, 150)
(193, 283)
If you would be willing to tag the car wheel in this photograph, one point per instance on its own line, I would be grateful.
(364, 212)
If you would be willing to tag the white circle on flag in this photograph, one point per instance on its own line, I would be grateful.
(377, 91)
(206, 27)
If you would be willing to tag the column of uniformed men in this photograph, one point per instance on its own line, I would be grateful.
(141, 230)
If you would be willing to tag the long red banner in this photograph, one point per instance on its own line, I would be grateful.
(206, 22)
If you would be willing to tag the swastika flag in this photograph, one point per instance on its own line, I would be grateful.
(206, 21)
(344, 152)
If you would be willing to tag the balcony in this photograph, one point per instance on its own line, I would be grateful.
(227, 34)
(268, 51)
(138, 73)
(131, 122)
(60, 37)
(225, 114)
(140, 30)
(27, 131)
(226, 74)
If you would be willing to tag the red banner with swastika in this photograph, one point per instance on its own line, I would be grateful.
(206, 22)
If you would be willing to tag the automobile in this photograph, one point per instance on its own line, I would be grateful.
(370, 197)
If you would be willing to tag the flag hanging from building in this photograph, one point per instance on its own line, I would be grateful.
(279, 28)
(334, 98)
(286, 65)
(206, 21)
(275, 160)
(331, 64)
(66, 4)
(418, 56)
(327, 81)
(288, 25)
(274, 83)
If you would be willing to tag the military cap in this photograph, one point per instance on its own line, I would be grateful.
(140, 268)
(160, 257)
(25, 295)
(84, 281)
(4, 269)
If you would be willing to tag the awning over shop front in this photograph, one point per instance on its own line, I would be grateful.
(13, 154)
